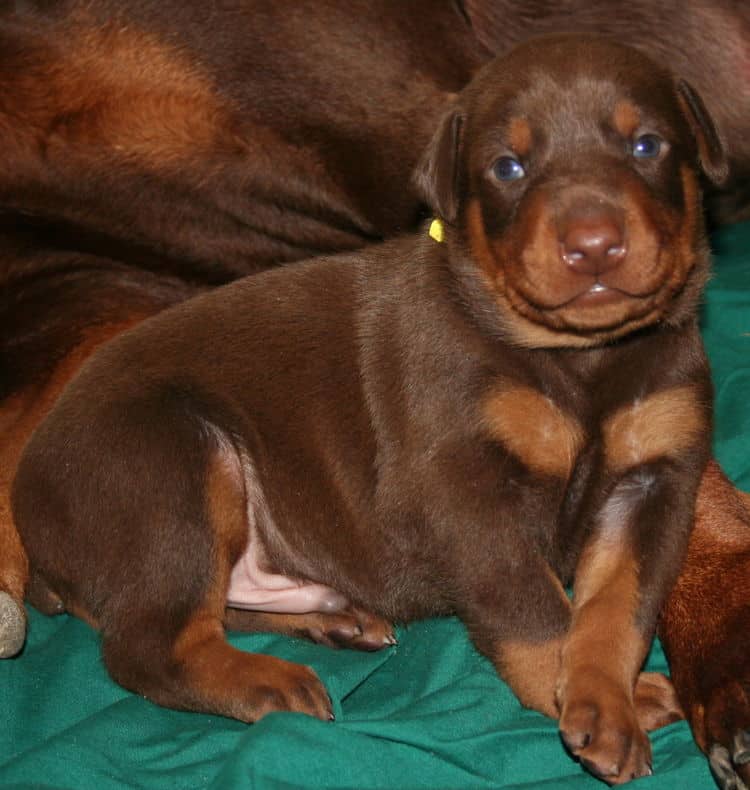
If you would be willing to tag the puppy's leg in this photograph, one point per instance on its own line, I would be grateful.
(530, 662)
(191, 665)
(352, 627)
(29, 404)
(601, 659)
(620, 582)
(196, 669)
(532, 668)
(704, 628)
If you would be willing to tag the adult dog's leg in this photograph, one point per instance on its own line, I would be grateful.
(705, 626)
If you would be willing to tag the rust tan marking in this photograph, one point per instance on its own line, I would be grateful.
(353, 628)
(480, 248)
(686, 246)
(519, 136)
(19, 416)
(656, 701)
(604, 649)
(532, 427)
(214, 676)
(210, 675)
(663, 424)
(532, 670)
(227, 515)
(626, 118)
(522, 331)
(600, 662)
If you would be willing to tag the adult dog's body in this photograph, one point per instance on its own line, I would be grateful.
(453, 425)
(141, 164)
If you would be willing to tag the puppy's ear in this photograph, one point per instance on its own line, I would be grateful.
(710, 146)
(436, 176)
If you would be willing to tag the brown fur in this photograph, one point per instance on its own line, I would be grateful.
(272, 173)
(704, 614)
(418, 425)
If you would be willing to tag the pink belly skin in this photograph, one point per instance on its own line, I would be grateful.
(252, 588)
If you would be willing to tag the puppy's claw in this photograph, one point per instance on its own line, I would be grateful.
(12, 626)
(723, 769)
(741, 747)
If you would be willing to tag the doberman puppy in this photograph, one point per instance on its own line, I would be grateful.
(151, 151)
(461, 422)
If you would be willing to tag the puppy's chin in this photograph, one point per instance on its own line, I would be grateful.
(594, 318)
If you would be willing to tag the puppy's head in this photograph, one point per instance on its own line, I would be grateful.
(569, 172)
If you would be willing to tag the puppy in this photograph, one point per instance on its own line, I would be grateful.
(461, 422)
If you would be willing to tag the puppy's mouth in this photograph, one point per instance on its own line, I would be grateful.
(596, 309)
(597, 295)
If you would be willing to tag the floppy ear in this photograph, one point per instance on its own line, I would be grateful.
(710, 146)
(436, 176)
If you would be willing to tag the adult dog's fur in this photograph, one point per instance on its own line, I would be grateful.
(456, 425)
(151, 153)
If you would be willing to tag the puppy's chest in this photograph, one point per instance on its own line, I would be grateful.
(557, 435)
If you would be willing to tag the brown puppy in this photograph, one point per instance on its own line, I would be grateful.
(148, 154)
(455, 424)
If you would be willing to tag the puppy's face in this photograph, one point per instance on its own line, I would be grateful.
(568, 170)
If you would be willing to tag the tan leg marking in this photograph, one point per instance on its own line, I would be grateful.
(211, 674)
(656, 702)
(532, 670)
(600, 664)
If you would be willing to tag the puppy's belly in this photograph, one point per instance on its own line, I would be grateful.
(250, 587)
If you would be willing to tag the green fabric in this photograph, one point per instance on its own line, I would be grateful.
(429, 713)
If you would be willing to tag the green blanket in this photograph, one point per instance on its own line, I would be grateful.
(428, 713)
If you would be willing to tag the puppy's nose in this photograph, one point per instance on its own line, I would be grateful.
(592, 244)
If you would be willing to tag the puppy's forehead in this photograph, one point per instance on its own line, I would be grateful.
(572, 79)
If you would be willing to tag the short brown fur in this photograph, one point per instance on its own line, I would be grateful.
(437, 437)
(376, 199)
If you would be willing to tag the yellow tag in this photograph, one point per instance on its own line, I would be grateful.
(437, 231)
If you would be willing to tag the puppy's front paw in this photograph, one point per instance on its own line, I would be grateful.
(289, 687)
(724, 721)
(601, 729)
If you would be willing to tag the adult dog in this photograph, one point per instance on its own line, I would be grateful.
(461, 423)
(153, 152)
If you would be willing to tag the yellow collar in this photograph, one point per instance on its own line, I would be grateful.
(437, 230)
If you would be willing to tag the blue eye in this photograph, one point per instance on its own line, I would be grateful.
(508, 169)
(647, 146)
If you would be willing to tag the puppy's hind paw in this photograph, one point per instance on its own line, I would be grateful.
(12, 626)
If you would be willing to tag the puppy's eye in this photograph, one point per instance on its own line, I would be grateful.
(647, 146)
(508, 169)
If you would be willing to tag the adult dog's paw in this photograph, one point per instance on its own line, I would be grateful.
(12, 626)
